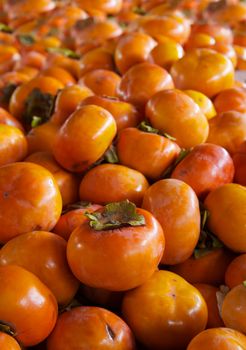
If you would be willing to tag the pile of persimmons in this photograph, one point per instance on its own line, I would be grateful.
(122, 175)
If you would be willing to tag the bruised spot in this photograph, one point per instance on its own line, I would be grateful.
(5, 194)
(110, 332)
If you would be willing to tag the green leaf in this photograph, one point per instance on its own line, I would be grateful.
(111, 156)
(144, 126)
(139, 11)
(5, 28)
(26, 39)
(182, 154)
(36, 121)
(116, 215)
(64, 51)
(38, 104)
(169, 137)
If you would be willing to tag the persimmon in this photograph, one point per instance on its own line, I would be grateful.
(72, 217)
(171, 25)
(107, 6)
(230, 14)
(231, 99)
(41, 138)
(67, 101)
(84, 138)
(133, 87)
(13, 144)
(233, 308)
(205, 104)
(228, 51)
(91, 327)
(140, 243)
(175, 113)
(8, 83)
(205, 168)
(228, 130)
(173, 202)
(125, 114)
(36, 97)
(90, 34)
(68, 183)
(113, 183)
(165, 312)
(220, 33)
(9, 55)
(43, 254)
(29, 8)
(236, 272)
(159, 152)
(203, 70)
(101, 82)
(226, 215)
(201, 268)
(32, 202)
(25, 302)
(200, 40)
(8, 119)
(60, 74)
(131, 49)
(31, 59)
(218, 338)
(98, 58)
(8, 343)
(59, 60)
(31, 72)
(166, 53)
(209, 294)
(239, 159)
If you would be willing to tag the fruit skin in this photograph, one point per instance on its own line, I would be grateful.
(203, 70)
(236, 271)
(239, 159)
(72, 219)
(68, 183)
(175, 113)
(43, 254)
(226, 206)
(133, 87)
(108, 183)
(26, 304)
(29, 199)
(205, 168)
(131, 49)
(105, 259)
(13, 144)
(84, 138)
(8, 119)
(228, 130)
(231, 99)
(88, 327)
(41, 138)
(209, 294)
(234, 307)
(165, 312)
(202, 270)
(218, 338)
(176, 207)
(8, 343)
(159, 152)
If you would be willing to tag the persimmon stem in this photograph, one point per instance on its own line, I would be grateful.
(7, 328)
(116, 215)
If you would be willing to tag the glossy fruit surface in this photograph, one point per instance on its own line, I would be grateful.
(175, 206)
(8, 343)
(29, 199)
(141, 246)
(185, 311)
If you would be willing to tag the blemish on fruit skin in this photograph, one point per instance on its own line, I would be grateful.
(5, 194)
(110, 332)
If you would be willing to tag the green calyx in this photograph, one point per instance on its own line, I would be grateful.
(144, 126)
(116, 215)
(64, 51)
(39, 107)
(6, 93)
(5, 28)
(183, 153)
(110, 156)
(139, 10)
(26, 39)
(7, 328)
